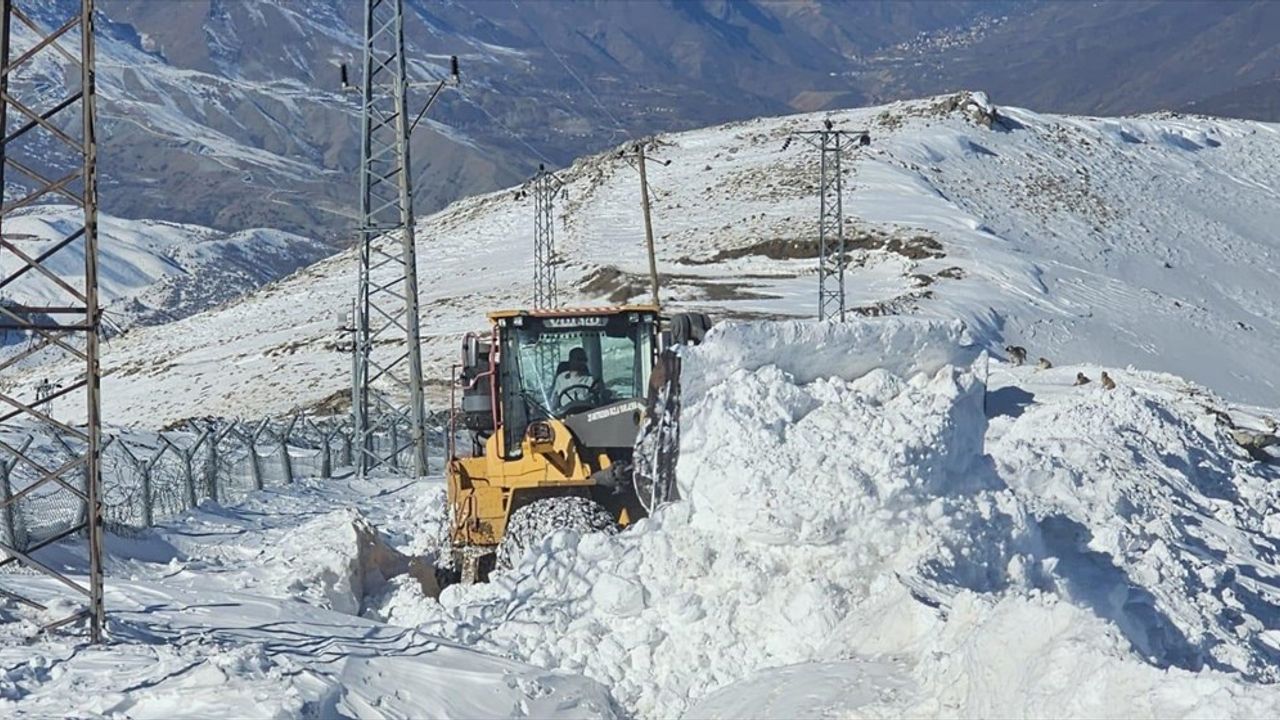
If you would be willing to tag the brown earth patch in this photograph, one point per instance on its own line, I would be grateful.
(915, 247)
(619, 286)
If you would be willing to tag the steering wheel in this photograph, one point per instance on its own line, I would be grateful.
(576, 397)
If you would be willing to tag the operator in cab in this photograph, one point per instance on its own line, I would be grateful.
(573, 383)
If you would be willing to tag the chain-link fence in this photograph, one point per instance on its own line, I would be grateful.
(148, 477)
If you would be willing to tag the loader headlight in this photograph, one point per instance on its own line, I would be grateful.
(541, 433)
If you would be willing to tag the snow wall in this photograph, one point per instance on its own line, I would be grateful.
(852, 542)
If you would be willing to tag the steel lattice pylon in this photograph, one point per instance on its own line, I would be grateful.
(545, 185)
(387, 392)
(47, 123)
(832, 251)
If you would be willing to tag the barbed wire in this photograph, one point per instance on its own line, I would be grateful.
(151, 477)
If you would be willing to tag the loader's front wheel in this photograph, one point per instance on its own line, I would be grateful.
(531, 524)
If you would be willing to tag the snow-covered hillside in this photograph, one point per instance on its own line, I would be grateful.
(150, 272)
(879, 522)
(1146, 241)
(934, 537)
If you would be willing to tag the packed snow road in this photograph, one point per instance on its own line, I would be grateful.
(879, 522)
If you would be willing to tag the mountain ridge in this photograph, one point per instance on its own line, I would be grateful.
(1123, 241)
(236, 104)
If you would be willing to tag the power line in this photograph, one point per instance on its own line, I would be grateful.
(509, 131)
(616, 124)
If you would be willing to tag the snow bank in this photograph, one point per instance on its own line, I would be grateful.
(852, 517)
(339, 558)
(808, 350)
(1160, 522)
(1015, 657)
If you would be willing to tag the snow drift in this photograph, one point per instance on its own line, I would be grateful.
(850, 505)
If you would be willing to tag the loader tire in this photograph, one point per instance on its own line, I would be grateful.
(531, 524)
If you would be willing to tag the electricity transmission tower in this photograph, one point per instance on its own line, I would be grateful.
(387, 386)
(47, 139)
(545, 185)
(832, 256)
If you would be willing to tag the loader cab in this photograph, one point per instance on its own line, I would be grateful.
(579, 367)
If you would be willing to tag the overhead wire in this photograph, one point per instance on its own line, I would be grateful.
(616, 124)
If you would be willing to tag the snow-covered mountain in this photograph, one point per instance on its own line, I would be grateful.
(227, 113)
(1144, 241)
(151, 272)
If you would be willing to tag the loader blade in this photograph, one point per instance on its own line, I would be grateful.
(658, 443)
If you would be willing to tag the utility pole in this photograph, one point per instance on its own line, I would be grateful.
(47, 127)
(638, 152)
(545, 186)
(648, 228)
(387, 388)
(832, 255)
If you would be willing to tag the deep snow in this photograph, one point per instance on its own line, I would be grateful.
(1071, 556)
(880, 521)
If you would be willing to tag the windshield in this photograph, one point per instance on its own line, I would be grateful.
(571, 364)
(559, 366)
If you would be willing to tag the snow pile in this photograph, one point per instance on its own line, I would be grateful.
(1159, 522)
(853, 518)
(808, 351)
(1013, 657)
(771, 456)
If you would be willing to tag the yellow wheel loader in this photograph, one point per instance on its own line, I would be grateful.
(565, 419)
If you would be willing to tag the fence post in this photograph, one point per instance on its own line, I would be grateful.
(325, 433)
(255, 463)
(346, 444)
(188, 477)
(215, 458)
(148, 481)
(286, 461)
(144, 470)
(6, 496)
(190, 458)
(13, 523)
(395, 443)
(214, 438)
